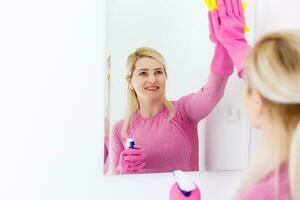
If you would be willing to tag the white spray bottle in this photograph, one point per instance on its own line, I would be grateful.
(184, 188)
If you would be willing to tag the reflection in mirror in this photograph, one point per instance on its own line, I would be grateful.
(164, 132)
(151, 127)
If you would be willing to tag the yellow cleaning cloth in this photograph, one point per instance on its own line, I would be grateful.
(212, 5)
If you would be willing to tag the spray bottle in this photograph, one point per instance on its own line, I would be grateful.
(184, 188)
(130, 144)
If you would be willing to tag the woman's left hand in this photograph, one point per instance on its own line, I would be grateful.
(221, 63)
(229, 25)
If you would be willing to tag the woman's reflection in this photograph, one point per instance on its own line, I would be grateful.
(165, 132)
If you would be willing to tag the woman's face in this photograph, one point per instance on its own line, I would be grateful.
(148, 79)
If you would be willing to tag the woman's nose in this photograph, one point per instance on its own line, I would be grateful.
(151, 78)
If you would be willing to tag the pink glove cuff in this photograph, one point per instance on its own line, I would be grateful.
(239, 55)
(221, 63)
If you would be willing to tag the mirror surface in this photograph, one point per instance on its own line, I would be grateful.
(178, 30)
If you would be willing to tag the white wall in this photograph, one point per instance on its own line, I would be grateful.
(275, 15)
(51, 114)
(51, 99)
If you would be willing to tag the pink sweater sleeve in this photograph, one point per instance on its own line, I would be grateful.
(116, 146)
(198, 105)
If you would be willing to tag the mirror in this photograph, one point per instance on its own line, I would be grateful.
(177, 30)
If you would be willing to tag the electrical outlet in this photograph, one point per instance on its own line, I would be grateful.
(234, 114)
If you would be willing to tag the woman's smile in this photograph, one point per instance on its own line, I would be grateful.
(152, 88)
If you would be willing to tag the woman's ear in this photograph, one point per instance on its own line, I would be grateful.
(253, 103)
(129, 83)
(258, 102)
(258, 108)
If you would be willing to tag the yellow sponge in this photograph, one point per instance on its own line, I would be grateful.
(212, 5)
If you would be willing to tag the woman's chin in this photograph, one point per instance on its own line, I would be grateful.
(155, 98)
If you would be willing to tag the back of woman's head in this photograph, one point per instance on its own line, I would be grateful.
(274, 67)
(273, 70)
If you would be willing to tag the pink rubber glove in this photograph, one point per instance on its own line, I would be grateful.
(228, 23)
(131, 160)
(176, 194)
(221, 63)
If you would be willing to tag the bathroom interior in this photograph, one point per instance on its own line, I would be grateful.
(57, 148)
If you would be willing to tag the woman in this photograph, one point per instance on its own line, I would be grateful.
(164, 131)
(272, 104)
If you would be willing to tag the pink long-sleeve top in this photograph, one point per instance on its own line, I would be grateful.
(265, 189)
(171, 144)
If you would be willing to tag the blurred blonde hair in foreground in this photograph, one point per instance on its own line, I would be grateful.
(273, 69)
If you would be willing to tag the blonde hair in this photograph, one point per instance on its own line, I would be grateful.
(132, 100)
(273, 69)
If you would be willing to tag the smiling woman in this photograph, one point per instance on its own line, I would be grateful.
(152, 119)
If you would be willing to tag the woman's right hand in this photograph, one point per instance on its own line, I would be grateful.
(131, 160)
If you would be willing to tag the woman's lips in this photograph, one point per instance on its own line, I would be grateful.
(152, 88)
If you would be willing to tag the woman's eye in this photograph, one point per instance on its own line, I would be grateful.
(143, 73)
(159, 72)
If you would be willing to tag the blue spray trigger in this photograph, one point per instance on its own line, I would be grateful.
(130, 143)
(184, 183)
(185, 193)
